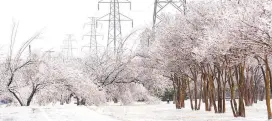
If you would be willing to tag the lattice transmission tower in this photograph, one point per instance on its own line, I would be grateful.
(114, 17)
(92, 34)
(68, 46)
(49, 53)
(159, 6)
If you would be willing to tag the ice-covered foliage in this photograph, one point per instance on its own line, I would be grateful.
(130, 93)
(119, 77)
(72, 82)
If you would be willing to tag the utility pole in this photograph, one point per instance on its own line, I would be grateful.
(114, 17)
(92, 34)
(68, 45)
(29, 51)
(159, 5)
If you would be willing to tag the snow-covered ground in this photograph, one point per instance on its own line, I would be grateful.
(135, 112)
(52, 113)
(167, 112)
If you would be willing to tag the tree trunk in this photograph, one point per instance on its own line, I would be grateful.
(178, 94)
(262, 91)
(190, 94)
(175, 90)
(195, 90)
(232, 94)
(200, 96)
(241, 91)
(12, 92)
(224, 97)
(29, 99)
(219, 91)
(16, 97)
(206, 94)
(267, 87)
(180, 85)
(212, 93)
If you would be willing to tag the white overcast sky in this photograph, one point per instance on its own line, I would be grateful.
(61, 17)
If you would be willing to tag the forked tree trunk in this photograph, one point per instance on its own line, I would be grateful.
(239, 74)
(194, 73)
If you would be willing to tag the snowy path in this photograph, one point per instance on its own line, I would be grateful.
(58, 113)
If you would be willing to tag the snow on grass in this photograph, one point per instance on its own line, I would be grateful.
(167, 112)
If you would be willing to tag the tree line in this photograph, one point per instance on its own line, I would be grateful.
(217, 50)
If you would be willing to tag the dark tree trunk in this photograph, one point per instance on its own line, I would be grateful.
(17, 98)
(267, 77)
(241, 109)
(12, 92)
(34, 90)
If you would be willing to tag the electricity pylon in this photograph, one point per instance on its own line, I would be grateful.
(114, 17)
(68, 45)
(159, 5)
(92, 34)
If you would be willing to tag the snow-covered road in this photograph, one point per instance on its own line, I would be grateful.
(58, 113)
